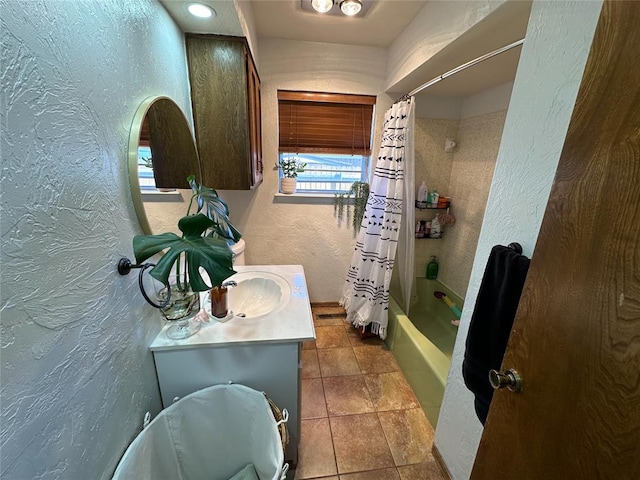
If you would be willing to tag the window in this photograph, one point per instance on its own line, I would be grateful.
(329, 132)
(145, 169)
(146, 176)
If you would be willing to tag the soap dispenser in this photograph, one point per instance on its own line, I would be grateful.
(432, 268)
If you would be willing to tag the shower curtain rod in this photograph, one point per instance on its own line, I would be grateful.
(464, 66)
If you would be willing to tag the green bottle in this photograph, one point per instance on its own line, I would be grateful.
(432, 268)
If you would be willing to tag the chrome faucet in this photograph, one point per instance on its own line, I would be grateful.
(228, 284)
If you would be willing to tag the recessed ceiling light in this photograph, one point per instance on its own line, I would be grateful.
(200, 10)
(322, 6)
(350, 7)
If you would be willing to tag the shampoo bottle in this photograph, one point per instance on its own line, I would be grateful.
(422, 192)
(436, 230)
(434, 199)
(432, 268)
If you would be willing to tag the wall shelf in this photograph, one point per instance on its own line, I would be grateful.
(425, 206)
(443, 204)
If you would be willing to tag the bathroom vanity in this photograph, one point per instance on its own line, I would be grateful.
(261, 350)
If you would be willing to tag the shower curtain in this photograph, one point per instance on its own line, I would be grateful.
(365, 294)
(405, 256)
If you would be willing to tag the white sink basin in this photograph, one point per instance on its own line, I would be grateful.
(257, 293)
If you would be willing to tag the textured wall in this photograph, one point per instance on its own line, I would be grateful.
(291, 230)
(551, 65)
(77, 375)
(245, 17)
(435, 26)
(165, 209)
(478, 139)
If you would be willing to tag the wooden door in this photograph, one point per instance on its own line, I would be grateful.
(576, 337)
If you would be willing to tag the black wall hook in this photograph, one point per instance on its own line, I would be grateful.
(125, 266)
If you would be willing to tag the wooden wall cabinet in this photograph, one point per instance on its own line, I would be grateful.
(225, 98)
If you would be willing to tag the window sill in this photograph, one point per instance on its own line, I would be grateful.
(158, 196)
(304, 198)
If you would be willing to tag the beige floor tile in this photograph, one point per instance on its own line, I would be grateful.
(409, 434)
(310, 365)
(359, 443)
(315, 454)
(386, 474)
(337, 361)
(357, 341)
(313, 402)
(422, 471)
(347, 395)
(331, 337)
(390, 391)
(375, 359)
(309, 345)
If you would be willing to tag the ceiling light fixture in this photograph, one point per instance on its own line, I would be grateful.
(200, 10)
(322, 6)
(350, 7)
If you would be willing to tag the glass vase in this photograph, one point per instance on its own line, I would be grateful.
(182, 308)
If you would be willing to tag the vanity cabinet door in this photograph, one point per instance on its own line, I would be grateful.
(225, 98)
(273, 368)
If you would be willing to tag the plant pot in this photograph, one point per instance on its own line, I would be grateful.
(288, 185)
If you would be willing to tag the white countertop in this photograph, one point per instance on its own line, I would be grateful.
(293, 322)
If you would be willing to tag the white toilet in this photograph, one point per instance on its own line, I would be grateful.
(238, 252)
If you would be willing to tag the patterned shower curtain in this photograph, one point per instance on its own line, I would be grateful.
(365, 294)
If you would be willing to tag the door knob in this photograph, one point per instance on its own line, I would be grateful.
(510, 379)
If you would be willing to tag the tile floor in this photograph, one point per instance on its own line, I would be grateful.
(360, 418)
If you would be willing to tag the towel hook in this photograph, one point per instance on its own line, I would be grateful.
(516, 246)
(125, 266)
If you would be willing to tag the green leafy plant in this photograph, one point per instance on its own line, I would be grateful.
(360, 192)
(147, 161)
(209, 202)
(290, 167)
(203, 243)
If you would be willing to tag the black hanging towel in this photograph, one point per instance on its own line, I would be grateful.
(492, 319)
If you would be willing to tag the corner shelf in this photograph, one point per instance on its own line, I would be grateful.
(424, 206)
(421, 206)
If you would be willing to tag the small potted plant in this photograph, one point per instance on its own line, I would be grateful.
(203, 244)
(290, 167)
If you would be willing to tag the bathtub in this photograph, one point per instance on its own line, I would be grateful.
(422, 345)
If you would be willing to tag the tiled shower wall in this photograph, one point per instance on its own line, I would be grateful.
(474, 159)
(465, 175)
(433, 166)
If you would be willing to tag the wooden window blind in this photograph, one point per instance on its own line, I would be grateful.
(311, 122)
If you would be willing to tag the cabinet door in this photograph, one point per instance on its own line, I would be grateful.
(272, 368)
(221, 99)
(255, 120)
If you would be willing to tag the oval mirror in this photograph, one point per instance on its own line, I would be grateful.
(162, 154)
